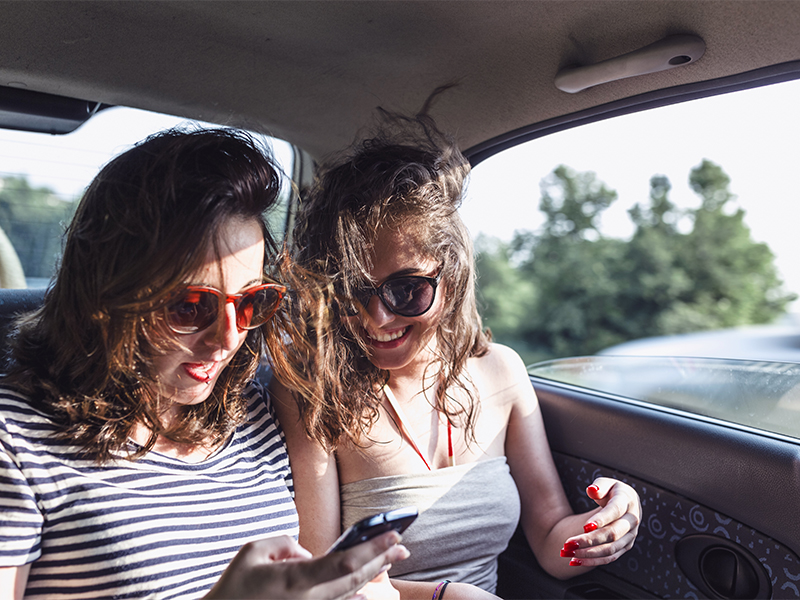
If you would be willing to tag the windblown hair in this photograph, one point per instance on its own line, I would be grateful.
(408, 175)
(144, 225)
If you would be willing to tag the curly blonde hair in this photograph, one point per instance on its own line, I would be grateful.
(408, 174)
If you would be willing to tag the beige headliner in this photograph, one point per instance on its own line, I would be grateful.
(312, 72)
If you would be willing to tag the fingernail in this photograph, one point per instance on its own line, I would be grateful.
(593, 490)
(404, 552)
(589, 527)
(569, 548)
(575, 562)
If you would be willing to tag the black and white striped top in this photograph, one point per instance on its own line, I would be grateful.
(157, 527)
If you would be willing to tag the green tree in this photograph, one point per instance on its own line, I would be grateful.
(735, 281)
(573, 202)
(651, 277)
(572, 267)
(505, 295)
(34, 220)
(568, 290)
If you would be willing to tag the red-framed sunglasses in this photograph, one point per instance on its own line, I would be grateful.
(197, 307)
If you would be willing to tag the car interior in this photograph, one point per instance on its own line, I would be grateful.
(719, 494)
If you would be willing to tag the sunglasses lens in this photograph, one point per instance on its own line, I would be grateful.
(256, 307)
(193, 311)
(408, 296)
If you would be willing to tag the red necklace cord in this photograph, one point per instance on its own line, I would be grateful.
(405, 431)
(451, 459)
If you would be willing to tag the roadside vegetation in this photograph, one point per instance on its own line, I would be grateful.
(567, 290)
(33, 219)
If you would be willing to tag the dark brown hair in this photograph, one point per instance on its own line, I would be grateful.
(407, 174)
(143, 227)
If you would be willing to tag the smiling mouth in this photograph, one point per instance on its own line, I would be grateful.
(390, 339)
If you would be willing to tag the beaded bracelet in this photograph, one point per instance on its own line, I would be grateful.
(441, 586)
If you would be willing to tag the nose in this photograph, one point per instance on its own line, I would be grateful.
(226, 333)
(377, 312)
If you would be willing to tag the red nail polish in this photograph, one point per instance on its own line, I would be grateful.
(575, 562)
(593, 491)
(589, 527)
(571, 546)
(566, 553)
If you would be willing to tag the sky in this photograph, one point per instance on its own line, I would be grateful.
(752, 135)
(67, 163)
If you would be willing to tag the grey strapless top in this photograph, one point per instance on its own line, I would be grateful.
(468, 513)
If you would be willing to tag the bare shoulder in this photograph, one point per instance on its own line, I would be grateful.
(501, 362)
(500, 372)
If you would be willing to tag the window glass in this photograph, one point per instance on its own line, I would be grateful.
(670, 232)
(43, 176)
(764, 395)
(663, 223)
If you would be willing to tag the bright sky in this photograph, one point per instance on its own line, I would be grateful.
(67, 163)
(752, 135)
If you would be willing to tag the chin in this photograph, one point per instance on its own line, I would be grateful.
(197, 394)
(391, 363)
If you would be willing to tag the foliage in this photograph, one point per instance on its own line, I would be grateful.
(568, 290)
(34, 220)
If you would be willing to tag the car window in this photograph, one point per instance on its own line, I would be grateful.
(43, 176)
(760, 394)
(669, 232)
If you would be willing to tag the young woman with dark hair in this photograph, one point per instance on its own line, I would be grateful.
(408, 402)
(137, 457)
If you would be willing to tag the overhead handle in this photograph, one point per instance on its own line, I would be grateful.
(673, 51)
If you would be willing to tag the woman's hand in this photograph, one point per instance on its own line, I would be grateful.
(380, 588)
(279, 568)
(612, 530)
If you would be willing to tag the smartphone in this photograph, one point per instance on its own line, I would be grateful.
(366, 529)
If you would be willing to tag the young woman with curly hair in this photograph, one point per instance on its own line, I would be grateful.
(408, 402)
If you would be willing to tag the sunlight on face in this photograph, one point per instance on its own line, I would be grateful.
(397, 343)
(189, 373)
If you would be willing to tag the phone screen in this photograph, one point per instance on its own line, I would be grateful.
(366, 529)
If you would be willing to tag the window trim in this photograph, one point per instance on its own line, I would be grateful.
(779, 73)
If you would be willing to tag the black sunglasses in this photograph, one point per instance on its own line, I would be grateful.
(407, 296)
(198, 307)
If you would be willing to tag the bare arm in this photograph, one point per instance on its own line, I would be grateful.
(316, 482)
(547, 518)
(13, 581)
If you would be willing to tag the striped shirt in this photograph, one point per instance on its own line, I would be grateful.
(157, 527)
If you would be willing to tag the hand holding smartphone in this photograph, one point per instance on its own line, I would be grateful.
(366, 529)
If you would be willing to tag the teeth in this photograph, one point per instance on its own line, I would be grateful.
(387, 337)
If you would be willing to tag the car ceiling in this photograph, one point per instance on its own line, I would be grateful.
(313, 72)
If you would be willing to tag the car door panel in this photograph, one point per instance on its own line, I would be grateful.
(715, 498)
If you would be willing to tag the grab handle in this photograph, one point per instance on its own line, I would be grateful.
(673, 51)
